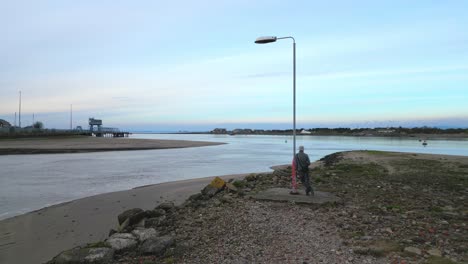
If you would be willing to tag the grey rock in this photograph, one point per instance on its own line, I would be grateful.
(123, 226)
(84, 255)
(156, 221)
(100, 255)
(210, 191)
(136, 218)
(156, 245)
(251, 177)
(413, 250)
(226, 199)
(434, 252)
(231, 187)
(112, 231)
(127, 214)
(144, 234)
(196, 197)
(155, 213)
(166, 206)
(122, 241)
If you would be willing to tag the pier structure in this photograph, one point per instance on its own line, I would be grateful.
(104, 131)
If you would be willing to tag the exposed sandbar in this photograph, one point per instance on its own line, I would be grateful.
(81, 144)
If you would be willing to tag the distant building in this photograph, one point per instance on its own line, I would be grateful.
(219, 131)
(386, 131)
(305, 132)
(4, 123)
(94, 122)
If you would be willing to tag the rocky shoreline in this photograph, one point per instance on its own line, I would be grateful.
(397, 208)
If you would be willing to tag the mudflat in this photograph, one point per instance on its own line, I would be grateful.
(78, 144)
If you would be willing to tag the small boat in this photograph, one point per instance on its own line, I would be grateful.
(424, 143)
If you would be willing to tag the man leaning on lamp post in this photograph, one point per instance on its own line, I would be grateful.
(302, 169)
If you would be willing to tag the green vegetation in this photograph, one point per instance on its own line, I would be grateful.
(239, 184)
(439, 260)
(38, 125)
(406, 200)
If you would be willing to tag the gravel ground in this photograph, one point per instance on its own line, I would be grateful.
(265, 232)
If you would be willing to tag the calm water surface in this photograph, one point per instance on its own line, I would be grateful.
(29, 182)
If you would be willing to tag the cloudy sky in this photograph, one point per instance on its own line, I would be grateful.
(193, 65)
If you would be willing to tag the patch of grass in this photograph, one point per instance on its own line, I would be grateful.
(435, 209)
(318, 180)
(376, 252)
(239, 184)
(379, 248)
(377, 152)
(439, 260)
(169, 260)
(366, 168)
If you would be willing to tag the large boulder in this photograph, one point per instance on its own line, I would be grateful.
(155, 213)
(134, 215)
(231, 187)
(143, 234)
(156, 221)
(210, 191)
(122, 241)
(101, 255)
(156, 245)
(214, 187)
(166, 206)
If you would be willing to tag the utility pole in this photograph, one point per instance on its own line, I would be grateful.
(33, 121)
(19, 119)
(15, 119)
(71, 116)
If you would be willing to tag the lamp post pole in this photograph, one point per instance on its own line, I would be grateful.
(294, 98)
(269, 39)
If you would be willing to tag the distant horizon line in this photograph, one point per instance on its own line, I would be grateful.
(286, 129)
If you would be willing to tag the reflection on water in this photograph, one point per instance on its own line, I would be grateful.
(29, 182)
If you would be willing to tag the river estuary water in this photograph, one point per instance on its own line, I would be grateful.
(30, 182)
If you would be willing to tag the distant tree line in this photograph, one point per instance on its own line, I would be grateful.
(390, 131)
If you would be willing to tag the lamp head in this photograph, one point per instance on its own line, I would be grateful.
(265, 40)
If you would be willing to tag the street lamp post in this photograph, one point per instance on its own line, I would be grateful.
(269, 39)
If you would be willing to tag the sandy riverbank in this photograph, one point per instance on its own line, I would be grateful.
(38, 236)
(78, 144)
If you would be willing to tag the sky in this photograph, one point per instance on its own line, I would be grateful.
(193, 65)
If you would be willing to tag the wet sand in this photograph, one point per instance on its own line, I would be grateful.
(79, 144)
(38, 236)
